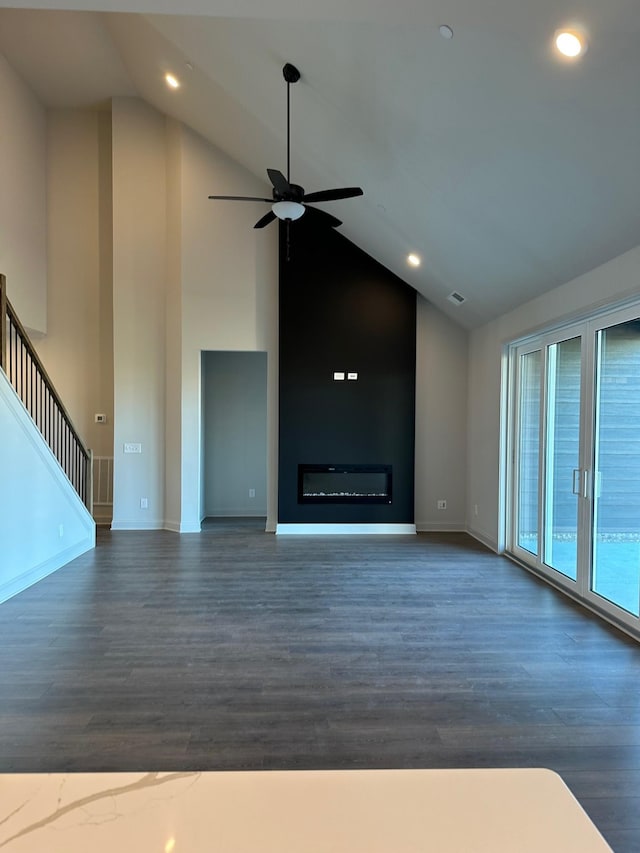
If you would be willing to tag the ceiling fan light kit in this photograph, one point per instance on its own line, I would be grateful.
(288, 209)
(289, 201)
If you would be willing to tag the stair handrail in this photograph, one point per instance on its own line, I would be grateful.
(76, 464)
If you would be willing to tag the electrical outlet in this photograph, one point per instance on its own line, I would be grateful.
(61, 530)
(132, 447)
(252, 493)
(442, 504)
(144, 503)
(100, 419)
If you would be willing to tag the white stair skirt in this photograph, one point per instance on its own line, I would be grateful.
(344, 529)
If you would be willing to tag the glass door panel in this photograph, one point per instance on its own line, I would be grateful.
(562, 457)
(616, 478)
(574, 445)
(529, 450)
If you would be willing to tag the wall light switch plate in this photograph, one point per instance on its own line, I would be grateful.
(338, 377)
(100, 419)
(352, 375)
(132, 447)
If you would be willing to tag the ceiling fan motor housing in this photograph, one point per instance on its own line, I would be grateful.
(295, 193)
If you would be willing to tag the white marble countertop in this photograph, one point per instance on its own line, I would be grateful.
(373, 811)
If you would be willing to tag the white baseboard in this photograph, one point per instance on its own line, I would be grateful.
(137, 525)
(173, 526)
(440, 527)
(344, 529)
(184, 527)
(48, 567)
(254, 512)
(485, 540)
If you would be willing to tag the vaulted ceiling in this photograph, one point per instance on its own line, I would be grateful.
(508, 170)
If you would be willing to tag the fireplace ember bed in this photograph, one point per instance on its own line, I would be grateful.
(346, 484)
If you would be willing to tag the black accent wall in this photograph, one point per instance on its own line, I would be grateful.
(342, 311)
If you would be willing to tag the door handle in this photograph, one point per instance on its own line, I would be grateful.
(597, 484)
(576, 478)
(581, 483)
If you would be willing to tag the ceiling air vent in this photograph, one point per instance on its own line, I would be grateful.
(456, 298)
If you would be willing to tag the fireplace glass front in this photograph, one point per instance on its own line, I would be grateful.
(344, 484)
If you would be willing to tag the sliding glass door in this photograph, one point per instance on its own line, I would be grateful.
(575, 453)
(616, 487)
(547, 453)
(562, 457)
(529, 455)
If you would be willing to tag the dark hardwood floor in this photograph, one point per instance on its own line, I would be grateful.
(237, 649)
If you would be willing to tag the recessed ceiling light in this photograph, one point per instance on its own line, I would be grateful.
(171, 81)
(413, 260)
(570, 43)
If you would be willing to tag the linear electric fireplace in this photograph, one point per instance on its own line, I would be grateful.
(339, 484)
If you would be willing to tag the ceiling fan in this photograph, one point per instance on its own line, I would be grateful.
(290, 201)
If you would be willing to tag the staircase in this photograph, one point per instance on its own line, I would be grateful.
(25, 372)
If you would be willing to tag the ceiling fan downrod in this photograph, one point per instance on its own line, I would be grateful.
(291, 75)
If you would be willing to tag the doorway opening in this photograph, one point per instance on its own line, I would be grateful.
(234, 440)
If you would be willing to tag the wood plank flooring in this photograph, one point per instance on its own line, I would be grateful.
(237, 649)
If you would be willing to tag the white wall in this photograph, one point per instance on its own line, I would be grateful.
(189, 276)
(43, 523)
(139, 294)
(616, 280)
(441, 420)
(23, 183)
(229, 299)
(173, 338)
(78, 348)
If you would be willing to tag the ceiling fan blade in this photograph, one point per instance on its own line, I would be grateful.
(241, 198)
(280, 184)
(266, 219)
(321, 217)
(333, 195)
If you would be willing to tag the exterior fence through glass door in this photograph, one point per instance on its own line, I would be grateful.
(562, 468)
(616, 477)
(529, 450)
